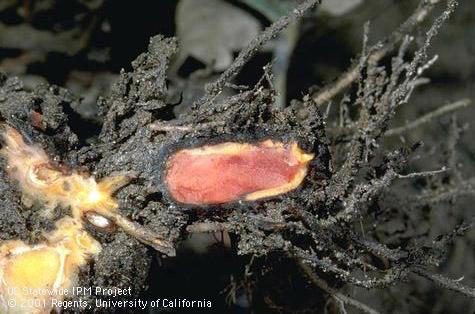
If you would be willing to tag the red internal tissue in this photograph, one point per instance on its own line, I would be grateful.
(222, 173)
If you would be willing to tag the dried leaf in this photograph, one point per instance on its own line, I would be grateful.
(211, 30)
(339, 7)
(271, 9)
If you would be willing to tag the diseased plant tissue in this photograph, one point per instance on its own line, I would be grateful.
(306, 188)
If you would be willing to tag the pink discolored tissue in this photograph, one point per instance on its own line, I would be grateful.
(227, 172)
